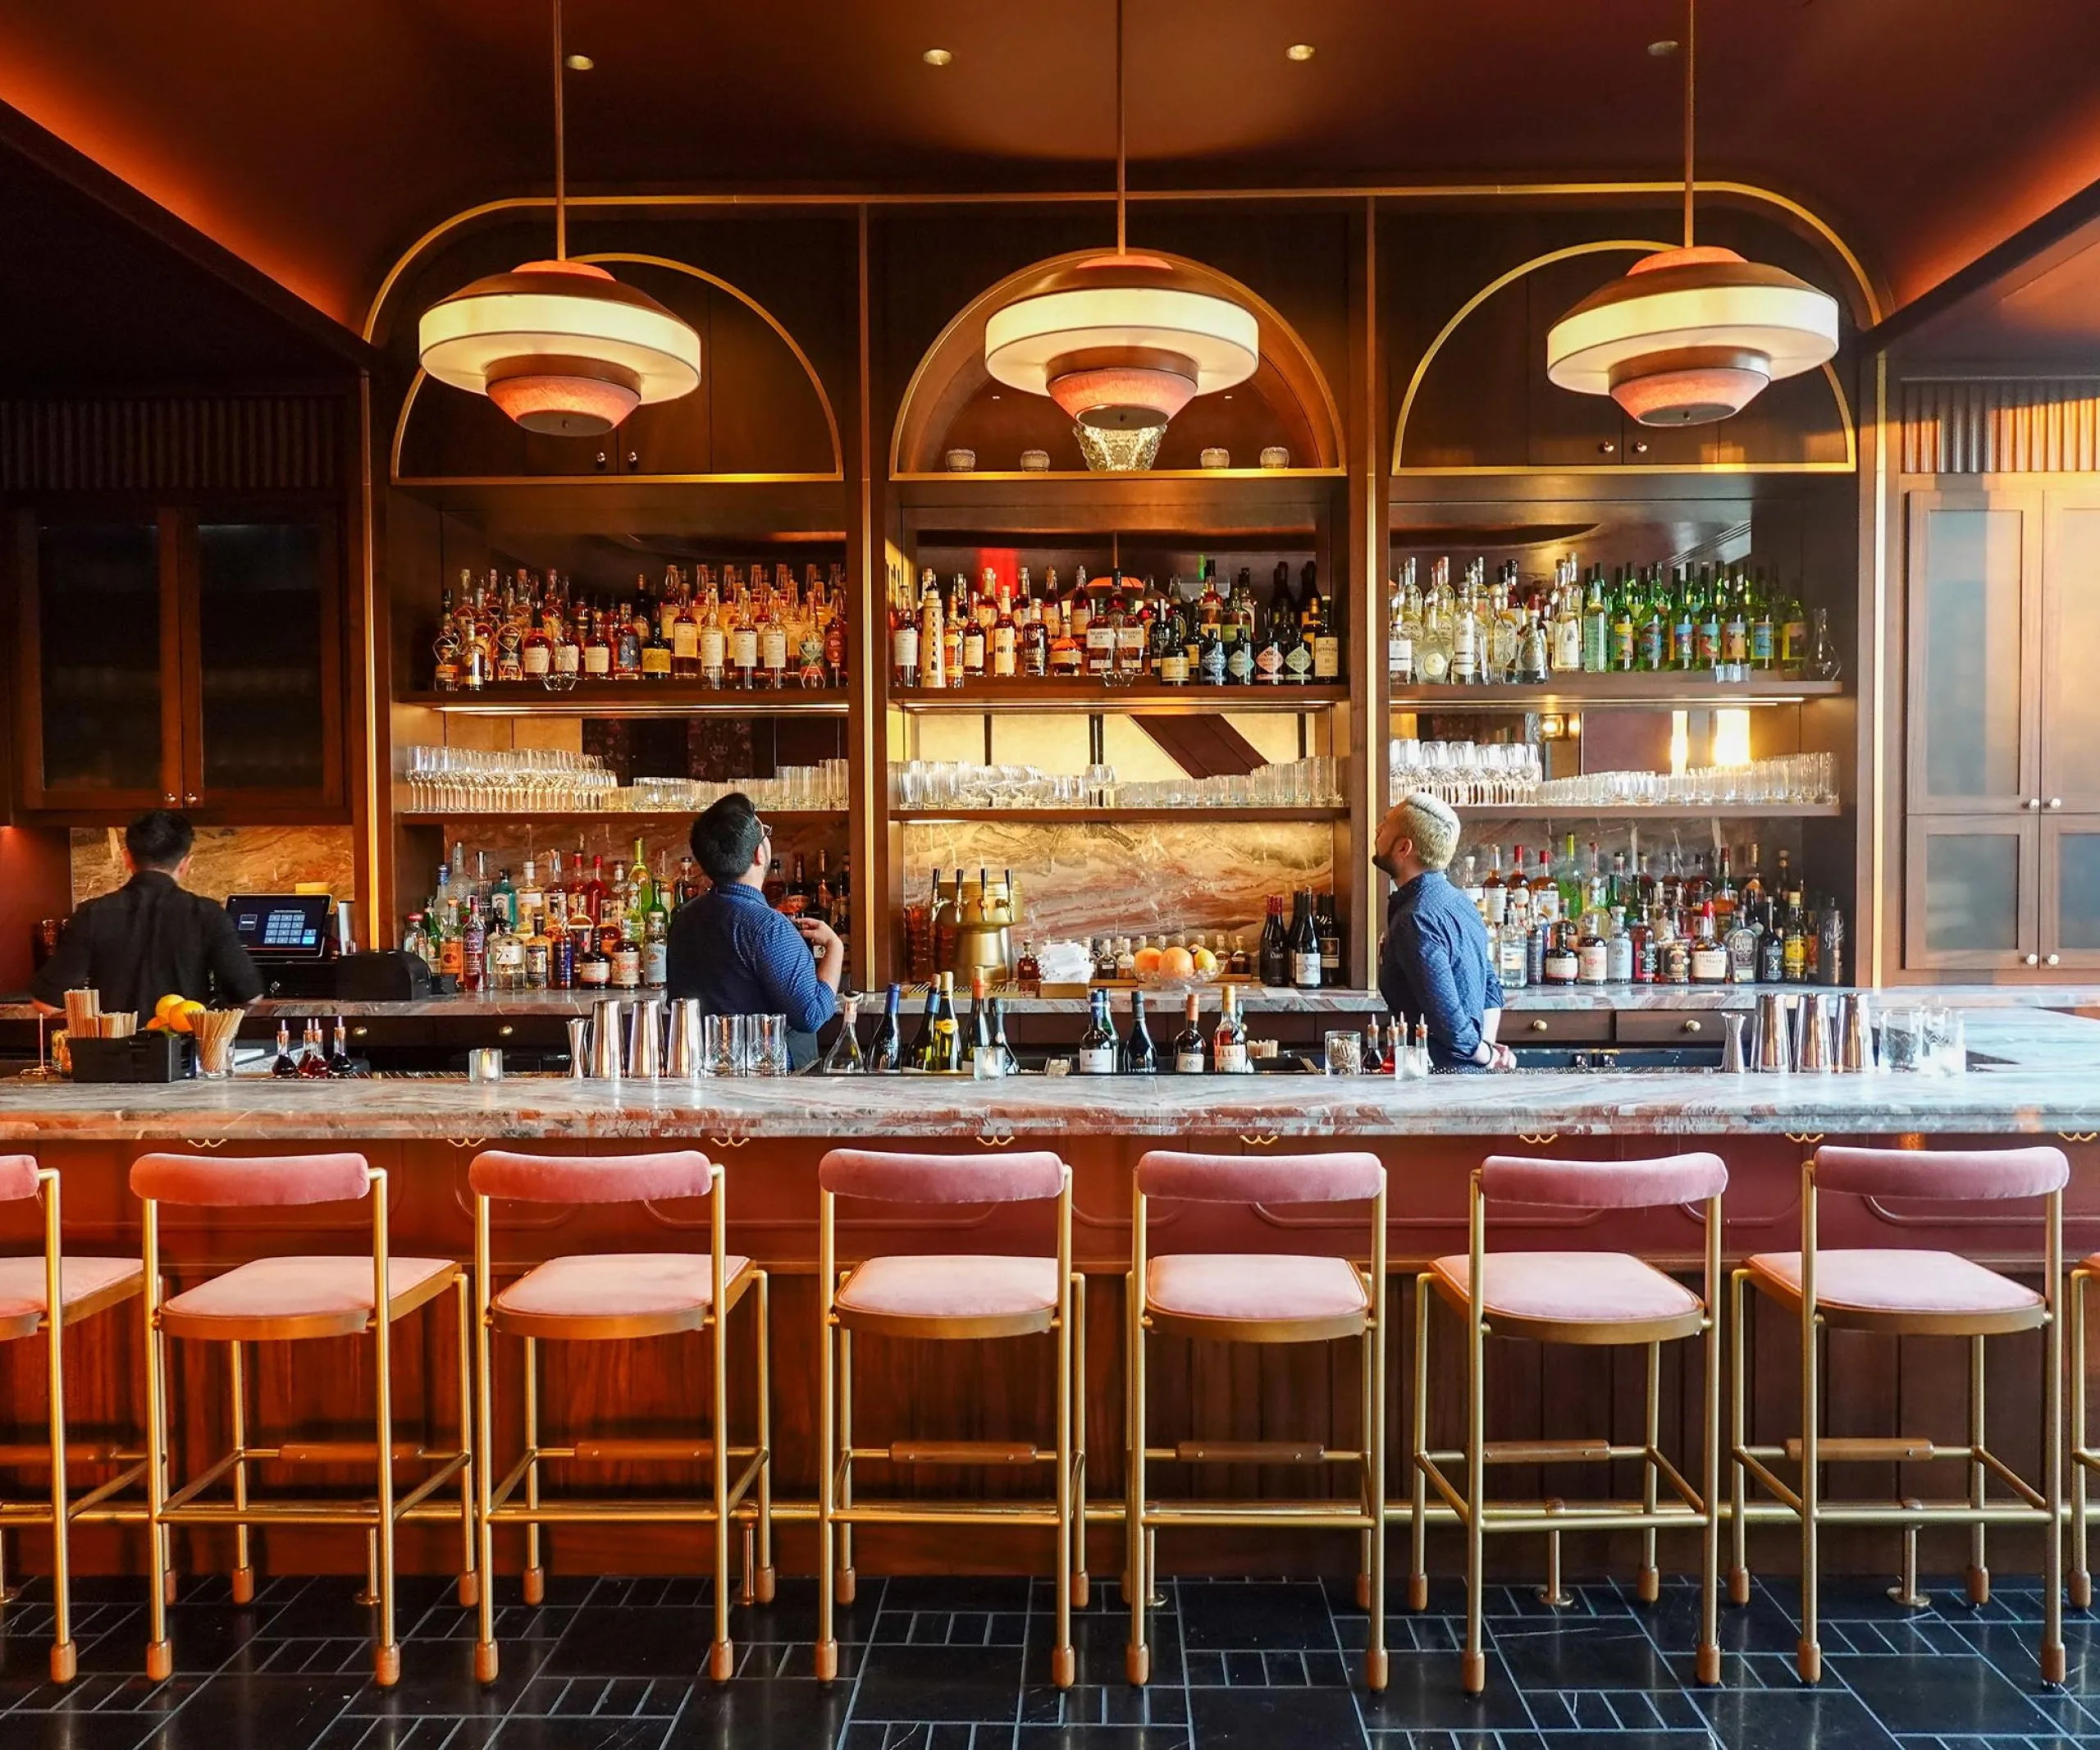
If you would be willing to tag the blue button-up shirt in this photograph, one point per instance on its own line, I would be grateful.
(732, 950)
(1435, 967)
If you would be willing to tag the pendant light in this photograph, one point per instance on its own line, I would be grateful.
(561, 346)
(1122, 343)
(1693, 335)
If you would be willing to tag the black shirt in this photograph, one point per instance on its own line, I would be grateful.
(148, 940)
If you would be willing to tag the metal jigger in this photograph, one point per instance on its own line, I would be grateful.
(579, 1049)
(605, 1040)
(1815, 1051)
(1856, 1035)
(645, 1041)
(1775, 1046)
(1732, 1063)
(681, 1050)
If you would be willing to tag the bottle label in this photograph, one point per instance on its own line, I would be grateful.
(1327, 657)
(1399, 659)
(1495, 902)
(743, 647)
(626, 967)
(1100, 649)
(973, 650)
(1097, 1060)
(1174, 669)
(656, 960)
(1131, 647)
(657, 659)
(1005, 650)
(684, 641)
(595, 970)
(1232, 1060)
(1213, 663)
(1239, 665)
(1710, 965)
(1297, 664)
(773, 648)
(568, 658)
(1760, 644)
(1189, 1062)
(1560, 967)
(1305, 969)
(1592, 964)
(712, 648)
(1268, 664)
(535, 659)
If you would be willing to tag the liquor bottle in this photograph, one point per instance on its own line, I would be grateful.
(503, 901)
(473, 950)
(1561, 963)
(1794, 640)
(1190, 1058)
(1304, 944)
(284, 1063)
(1735, 630)
(1275, 951)
(1592, 959)
(1709, 954)
(1324, 631)
(1763, 638)
(1400, 635)
(774, 887)
(1028, 970)
(1596, 624)
(340, 1064)
(1494, 891)
(1567, 652)
(597, 649)
(1619, 950)
(1653, 636)
(1533, 654)
(1098, 1050)
(1796, 939)
(1229, 1044)
(1830, 945)
(1139, 1056)
(1625, 622)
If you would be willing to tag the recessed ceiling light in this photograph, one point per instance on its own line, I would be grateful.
(937, 57)
(578, 63)
(1298, 52)
(1666, 46)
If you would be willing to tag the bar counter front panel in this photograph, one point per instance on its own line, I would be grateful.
(770, 1136)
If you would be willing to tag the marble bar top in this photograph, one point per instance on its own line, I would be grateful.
(1533, 999)
(2050, 1083)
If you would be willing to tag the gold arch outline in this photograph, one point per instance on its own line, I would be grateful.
(1644, 246)
(808, 370)
(994, 294)
(1869, 310)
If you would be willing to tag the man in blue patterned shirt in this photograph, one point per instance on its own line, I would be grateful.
(732, 950)
(1435, 966)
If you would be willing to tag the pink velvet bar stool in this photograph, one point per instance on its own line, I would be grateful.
(1912, 1293)
(1591, 1298)
(293, 1299)
(620, 1297)
(974, 1298)
(1261, 1297)
(80, 1288)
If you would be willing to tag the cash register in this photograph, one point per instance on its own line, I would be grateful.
(303, 945)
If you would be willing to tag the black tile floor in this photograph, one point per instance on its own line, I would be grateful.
(930, 1664)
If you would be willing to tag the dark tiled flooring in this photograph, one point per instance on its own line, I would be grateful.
(962, 1664)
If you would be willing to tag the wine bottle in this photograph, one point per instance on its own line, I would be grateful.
(1009, 1065)
(883, 1050)
(1097, 1049)
(922, 1041)
(1139, 1059)
(1228, 1044)
(1304, 944)
(980, 1022)
(1274, 958)
(947, 1031)
(1188, 1054)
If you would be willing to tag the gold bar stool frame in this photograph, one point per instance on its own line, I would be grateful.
(966, 1298)
(1917, 1294)
(80, 1288)
(618, 1297)
(1259, 1298)
(2084, 1456)
(287, 1299)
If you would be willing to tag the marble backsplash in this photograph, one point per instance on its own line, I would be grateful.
(1137, 879)
(230, 860)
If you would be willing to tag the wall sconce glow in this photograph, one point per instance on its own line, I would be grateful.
(1680, 742)
(937, 57)
(578, 63)
(1298, 52)
(1731, 737)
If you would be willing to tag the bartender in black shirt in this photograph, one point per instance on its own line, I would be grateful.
(149, 938)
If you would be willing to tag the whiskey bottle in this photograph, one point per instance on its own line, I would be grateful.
(1188, 1054)
(1709, 955)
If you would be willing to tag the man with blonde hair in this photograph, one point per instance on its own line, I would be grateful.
(1435, 966)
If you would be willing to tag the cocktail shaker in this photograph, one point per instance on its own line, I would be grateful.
(681, 1050)
(645, 1040)
(1775, 1045)
(605, 1040)
(1732, 1061)
(1815, 1051)
(579, 1049)
(1855, 1049)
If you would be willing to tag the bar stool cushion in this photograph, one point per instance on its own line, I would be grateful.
(21, 1281)
(1589, 1288)
(1264, 1287)
(1879, 1280)
(301, 1287)
(951, 1287)
(618, 1285)
(17, 1178)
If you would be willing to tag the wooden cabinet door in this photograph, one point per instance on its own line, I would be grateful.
(262, 690)
(2070, 777)
(98, 665)
(1971, 896)
(1975, 645)
(2069, 897)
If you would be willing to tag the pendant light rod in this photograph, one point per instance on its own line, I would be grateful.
(561, 152)
(1691, 77)
(1121, 191)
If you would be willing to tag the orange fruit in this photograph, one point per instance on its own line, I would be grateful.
(184, 1019)
(1147, 960)
(168, 1005)
(1176, 963)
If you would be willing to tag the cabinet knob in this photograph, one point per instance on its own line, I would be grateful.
(603, 459)
(2034, 960)
(1640, 447)
(634, 459)
(2055, 801)
(2034, 802)
(1607, 448)
(2049, 961)
(190, 799)
(1692, 1025)
(168, 797)
(1539, 1025)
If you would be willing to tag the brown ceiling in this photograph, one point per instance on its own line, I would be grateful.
(318, 141)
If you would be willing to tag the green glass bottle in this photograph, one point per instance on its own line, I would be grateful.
(1654, 635)
(1763, 650)
(1626, 611)
(1708, 635)
(1684, 626)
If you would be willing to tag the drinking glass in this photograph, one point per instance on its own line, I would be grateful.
(1344, 1054)
(1902, 1041)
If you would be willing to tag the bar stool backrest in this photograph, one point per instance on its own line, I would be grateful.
(941, 1178)
(17, 1178)
(1696, 1177)
(591, 1178)
(1340, 1177)
(253, 1181)
(1951, 1175)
